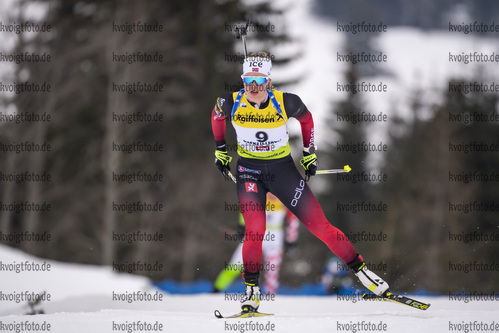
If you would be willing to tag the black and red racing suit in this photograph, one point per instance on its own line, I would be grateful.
(265, 165)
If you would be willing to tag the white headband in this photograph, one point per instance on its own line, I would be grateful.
(257, 64)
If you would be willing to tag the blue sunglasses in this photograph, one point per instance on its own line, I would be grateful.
(258, 79)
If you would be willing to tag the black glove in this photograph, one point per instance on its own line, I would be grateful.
(222, 160)
(309, 163)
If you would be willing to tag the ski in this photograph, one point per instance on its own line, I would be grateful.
(243, 314)
(391, 297)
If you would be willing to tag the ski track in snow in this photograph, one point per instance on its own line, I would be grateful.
(180, 313)
(82, 301)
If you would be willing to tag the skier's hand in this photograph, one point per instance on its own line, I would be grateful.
(309, 163)
(222, 160)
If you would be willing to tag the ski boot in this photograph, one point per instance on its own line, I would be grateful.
(369, 279)
(251, 299)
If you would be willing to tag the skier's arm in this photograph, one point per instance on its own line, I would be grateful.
(307, 128)
(309, 160)
(218, 122)
(218, 115)
(218, 128)
(296, 108)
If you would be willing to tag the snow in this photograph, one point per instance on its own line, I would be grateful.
(82, 301)
(63, 282)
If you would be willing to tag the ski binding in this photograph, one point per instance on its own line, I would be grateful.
(243, 314)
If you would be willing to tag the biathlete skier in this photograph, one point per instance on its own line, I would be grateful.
(259, 115)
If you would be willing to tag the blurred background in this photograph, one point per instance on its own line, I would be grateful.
(440, 200)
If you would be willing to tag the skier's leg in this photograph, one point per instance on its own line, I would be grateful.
(252, 198)
(295, 194)
(253, 210)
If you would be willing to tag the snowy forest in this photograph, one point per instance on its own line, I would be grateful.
(121, 143)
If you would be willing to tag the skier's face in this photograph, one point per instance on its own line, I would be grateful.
(256, 93)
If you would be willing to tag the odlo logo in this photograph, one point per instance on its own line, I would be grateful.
(298, 192)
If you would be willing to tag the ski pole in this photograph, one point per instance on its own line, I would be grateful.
(346, 168)
(228, 174)
(241, 33)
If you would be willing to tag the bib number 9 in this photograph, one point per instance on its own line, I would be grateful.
(261, 136)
